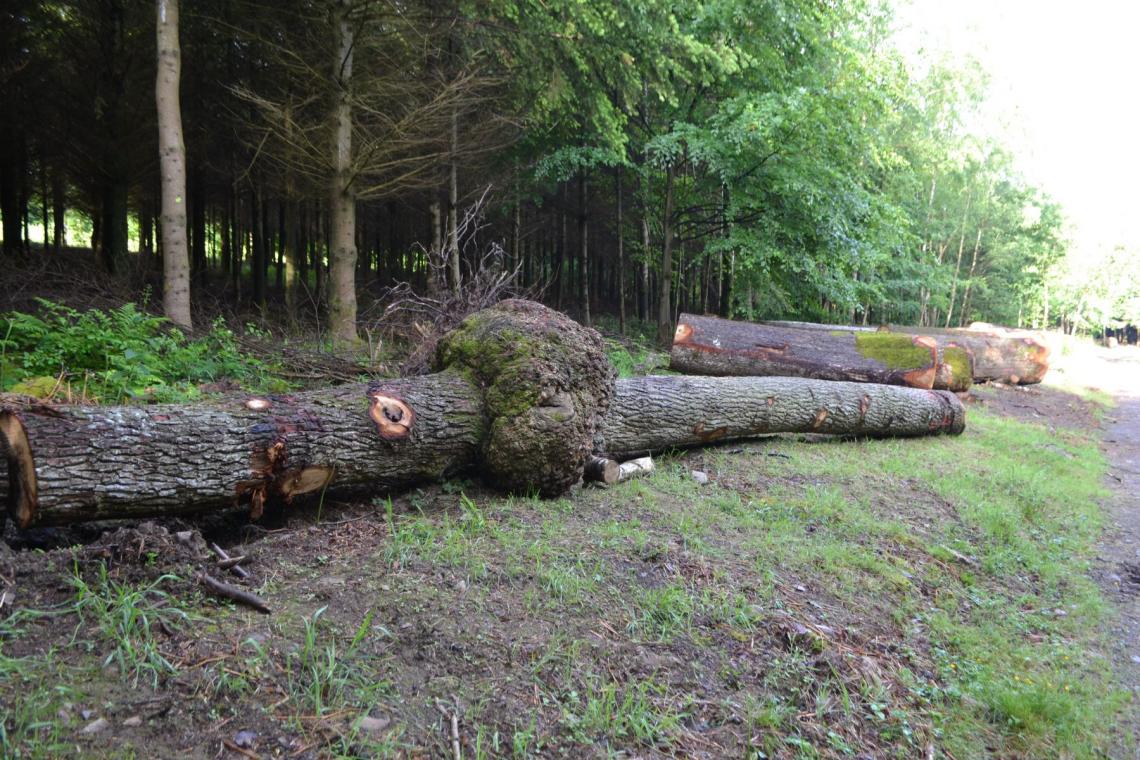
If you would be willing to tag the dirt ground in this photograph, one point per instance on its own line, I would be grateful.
(494, 632)
(1117, 567)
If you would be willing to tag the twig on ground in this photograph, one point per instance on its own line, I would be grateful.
(453, 718)
(232, 747)
(238, 595)
(237, 570)
(231, 562)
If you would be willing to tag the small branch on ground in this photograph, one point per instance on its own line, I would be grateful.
(241, 596)
(235, 568)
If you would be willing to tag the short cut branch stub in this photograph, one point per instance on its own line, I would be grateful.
(392, 415)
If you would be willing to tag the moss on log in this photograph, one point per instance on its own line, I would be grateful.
(546, 384)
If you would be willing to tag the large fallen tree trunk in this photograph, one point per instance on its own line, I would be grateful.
(712, 346)
(523, 398)
(999, 354)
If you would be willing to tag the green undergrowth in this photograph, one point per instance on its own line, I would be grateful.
(119, 355)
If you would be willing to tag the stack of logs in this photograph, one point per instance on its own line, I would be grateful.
(521, 395)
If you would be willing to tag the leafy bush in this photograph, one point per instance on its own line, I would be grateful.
(116, 355)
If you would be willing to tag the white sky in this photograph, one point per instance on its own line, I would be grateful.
(1065, 83)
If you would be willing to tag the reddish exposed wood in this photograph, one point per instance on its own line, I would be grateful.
(1018, 357)
(393, 417)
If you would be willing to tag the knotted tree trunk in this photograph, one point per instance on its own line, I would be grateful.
(522, 396)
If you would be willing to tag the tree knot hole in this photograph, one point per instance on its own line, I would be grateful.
(392, 415)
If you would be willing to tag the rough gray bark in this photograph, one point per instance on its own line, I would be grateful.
(172, 162)
(714, 346)
(94, 462)
(660, 412)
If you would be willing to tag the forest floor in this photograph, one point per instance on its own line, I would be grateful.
(944, 597)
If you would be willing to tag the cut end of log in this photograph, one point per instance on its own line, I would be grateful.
(304, 480)
(1036, 354)
(393, 417)
(22, 487)
(601, 470)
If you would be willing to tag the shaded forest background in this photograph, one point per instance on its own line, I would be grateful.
(740, 157)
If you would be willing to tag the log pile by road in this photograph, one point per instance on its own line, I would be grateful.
(521, 395)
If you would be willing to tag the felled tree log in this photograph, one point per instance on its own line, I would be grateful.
(1002, 354)
(954, 360)
(75, 463)
(523, 397)
(663, 411)
(517, 398)
(713, 346)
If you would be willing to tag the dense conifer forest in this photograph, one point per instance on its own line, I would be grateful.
(636, 159)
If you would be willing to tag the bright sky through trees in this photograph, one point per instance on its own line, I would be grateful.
(1063, 87)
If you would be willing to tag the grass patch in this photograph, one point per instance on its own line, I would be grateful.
(130, 620)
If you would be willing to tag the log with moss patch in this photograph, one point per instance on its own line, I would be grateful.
(954, 360)
(1004, 355)
(713, 346)
(1001, 354)
(522, 396)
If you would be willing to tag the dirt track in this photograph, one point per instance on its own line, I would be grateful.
(1117, 568)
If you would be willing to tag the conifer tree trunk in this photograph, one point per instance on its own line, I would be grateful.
(621, 258)
(342, 210)
(453, 209)
(59, 232)
(172, 158)
(664, 311)
(584, 246)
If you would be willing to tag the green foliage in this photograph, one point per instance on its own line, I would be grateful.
(117, 355)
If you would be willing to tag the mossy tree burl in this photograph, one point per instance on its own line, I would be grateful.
(546, 385)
